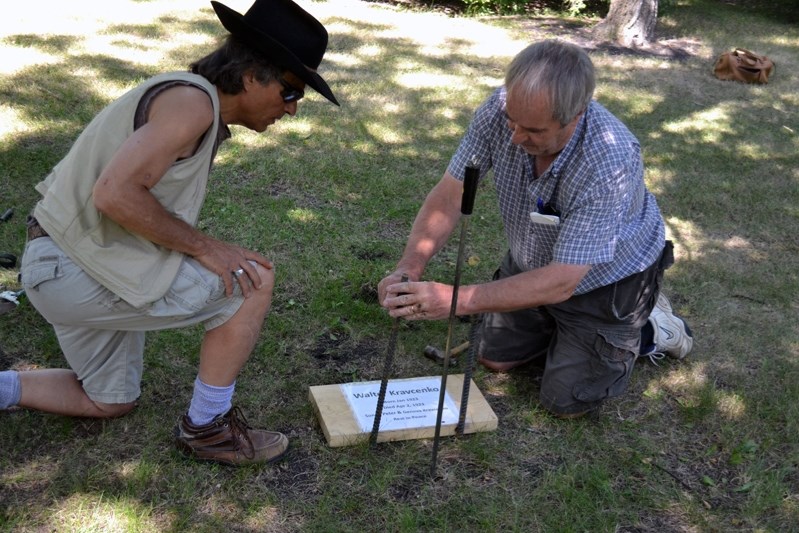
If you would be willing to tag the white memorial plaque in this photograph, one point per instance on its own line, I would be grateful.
(346, 411)
(408, 404)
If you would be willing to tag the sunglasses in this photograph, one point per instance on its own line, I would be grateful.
(289, 92)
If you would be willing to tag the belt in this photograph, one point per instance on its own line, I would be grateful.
(34, 229)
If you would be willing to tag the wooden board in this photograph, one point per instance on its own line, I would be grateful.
(341, 428)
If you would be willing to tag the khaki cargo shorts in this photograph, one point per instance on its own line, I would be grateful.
(101, 335)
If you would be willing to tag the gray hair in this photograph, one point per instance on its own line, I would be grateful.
(560, 70)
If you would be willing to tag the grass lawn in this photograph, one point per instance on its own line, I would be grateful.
(705, 444)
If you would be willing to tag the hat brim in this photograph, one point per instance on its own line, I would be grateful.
(270, 48)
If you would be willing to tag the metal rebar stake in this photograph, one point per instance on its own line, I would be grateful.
(467, 204)
(381, 396)
(467, 376)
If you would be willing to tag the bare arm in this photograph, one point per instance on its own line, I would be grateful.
(429, 300)
(434, 223)
(432, 227)
(178, 119)
(551, 284)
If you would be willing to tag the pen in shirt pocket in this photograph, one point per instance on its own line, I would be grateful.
(539, 205)
(545, 208)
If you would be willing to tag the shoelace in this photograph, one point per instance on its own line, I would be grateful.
(654, 357)
(238, 427)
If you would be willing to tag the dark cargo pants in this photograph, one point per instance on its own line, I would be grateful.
(590, 341)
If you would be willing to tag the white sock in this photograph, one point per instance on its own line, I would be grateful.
(10, 390)
(208, 402)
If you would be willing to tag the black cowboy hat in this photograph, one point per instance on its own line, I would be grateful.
(285, 34)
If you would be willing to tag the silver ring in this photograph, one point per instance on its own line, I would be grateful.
(238, 272)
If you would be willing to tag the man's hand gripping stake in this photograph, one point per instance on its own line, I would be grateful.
(467, 205)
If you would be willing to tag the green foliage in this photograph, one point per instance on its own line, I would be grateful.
(575, 7)
(572, 8)
(502, 7)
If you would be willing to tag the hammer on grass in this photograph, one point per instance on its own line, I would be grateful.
(431, 352)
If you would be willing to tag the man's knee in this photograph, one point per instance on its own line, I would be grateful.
(559, 396)
(111, 410)
(577, 386)
(562, 404)
(267, 277)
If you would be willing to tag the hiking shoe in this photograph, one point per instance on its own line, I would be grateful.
(673, 337)
(230, 440)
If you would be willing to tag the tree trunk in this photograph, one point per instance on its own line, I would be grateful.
(629, 22)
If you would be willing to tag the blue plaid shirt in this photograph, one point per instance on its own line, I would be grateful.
(595, 185)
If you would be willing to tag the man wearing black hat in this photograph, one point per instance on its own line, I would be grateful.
(113, 252)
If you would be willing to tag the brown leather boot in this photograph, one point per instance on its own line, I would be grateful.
(230, 440)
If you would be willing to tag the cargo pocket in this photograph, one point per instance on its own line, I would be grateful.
(40, 270)
(189, 294)
(611, 369)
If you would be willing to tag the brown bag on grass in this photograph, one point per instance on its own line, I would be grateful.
(744, 66)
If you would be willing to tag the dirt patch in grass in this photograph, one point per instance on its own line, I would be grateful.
(296, 476)
(336, 350)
